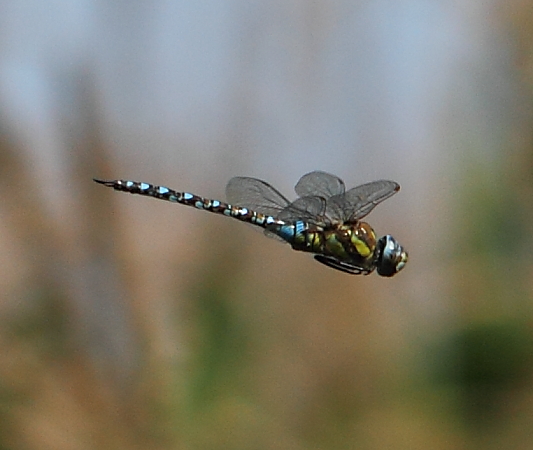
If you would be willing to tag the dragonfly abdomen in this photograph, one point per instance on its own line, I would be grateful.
(188, 199)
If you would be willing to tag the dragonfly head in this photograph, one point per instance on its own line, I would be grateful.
(391, 256)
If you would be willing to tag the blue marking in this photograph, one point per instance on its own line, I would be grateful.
(187, 196)
(129, 184)
(173, 198)
(216, 203)
(286, 232)
(144, 186)
(227, 212)
(243, 211)
(199, 205)
(299, 227)
(270, 220)
(163, 190)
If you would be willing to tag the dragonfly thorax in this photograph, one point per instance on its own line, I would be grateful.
(351, 247)
(353, 243)
(350, 242)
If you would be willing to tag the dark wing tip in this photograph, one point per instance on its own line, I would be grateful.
(391, 182)
(395, 186)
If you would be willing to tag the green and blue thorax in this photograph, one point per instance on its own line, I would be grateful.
(349, 242)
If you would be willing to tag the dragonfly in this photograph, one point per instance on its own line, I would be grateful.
(324, 220)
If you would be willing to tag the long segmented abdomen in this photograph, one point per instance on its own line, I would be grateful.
(186, 198)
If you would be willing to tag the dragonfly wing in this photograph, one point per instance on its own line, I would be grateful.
(256, 195)
(359, 201)
(310, 209)
(319, 184)
(335, 209)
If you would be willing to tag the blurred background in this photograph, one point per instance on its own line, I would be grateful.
(131, 323)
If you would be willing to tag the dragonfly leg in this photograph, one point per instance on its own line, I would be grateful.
(342, 266)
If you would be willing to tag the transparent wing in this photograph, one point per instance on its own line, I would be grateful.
(256, 195)
(311, 209)
(359, 201)
(322, 201)
(319, 184)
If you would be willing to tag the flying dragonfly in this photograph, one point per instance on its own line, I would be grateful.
(324, 220)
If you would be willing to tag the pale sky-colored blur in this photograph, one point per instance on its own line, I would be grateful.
(356, 88)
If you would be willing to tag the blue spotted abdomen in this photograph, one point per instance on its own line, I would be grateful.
(186, 198)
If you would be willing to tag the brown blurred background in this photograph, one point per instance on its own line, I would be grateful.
(131, 323)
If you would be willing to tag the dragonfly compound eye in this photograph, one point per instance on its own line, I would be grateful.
(391, 256)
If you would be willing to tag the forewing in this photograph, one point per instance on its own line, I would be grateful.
(359, 201)
(256, 195)
(319, 184)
